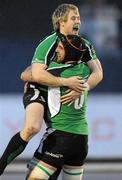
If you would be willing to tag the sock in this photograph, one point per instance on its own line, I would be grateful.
(15, 147)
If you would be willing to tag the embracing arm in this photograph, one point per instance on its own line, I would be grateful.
(41, 76)
(96, 73)
(38, 73)
(26, 75)
(93, 80)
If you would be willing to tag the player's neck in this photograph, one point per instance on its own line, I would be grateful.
(63, 32)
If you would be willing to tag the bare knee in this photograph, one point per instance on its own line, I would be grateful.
(32, 130)
(28, 132)
(33, 120)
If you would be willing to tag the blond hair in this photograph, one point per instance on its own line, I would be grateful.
(61, 14)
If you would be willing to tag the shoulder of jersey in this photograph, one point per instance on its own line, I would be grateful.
(51, 35)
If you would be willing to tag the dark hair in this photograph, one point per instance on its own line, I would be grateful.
(73, 46)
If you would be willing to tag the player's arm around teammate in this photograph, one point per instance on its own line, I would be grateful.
(94, 79)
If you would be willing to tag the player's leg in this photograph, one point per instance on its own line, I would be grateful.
(73, 168)
(33, 121)
(37, 168)
(72, 172)
(41, 171)
(34, 162)
(50, 147)
(15, 146)
(34, 103)
(19, 141)
(55, 175)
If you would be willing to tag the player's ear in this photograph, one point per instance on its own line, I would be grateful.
(61, 22)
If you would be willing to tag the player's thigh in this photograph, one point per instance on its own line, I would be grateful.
(34, 114)
(41, 170)
(34, 102)
(72, 172)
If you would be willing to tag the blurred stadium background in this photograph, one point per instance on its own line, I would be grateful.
(22, 25)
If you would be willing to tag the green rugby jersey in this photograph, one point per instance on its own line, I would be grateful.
(67, 118)
(63, 117)
(45, 51)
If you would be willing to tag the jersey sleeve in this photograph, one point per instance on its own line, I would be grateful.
(90, 53)
(43, 49)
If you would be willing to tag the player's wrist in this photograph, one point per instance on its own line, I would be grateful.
(87, 86)
(63, 81)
